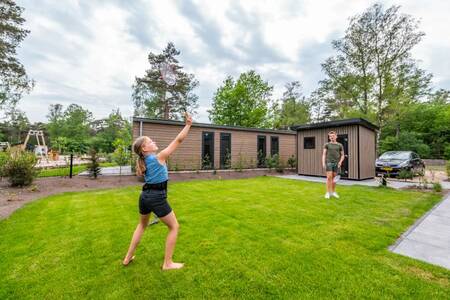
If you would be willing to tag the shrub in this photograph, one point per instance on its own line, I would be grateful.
(3, 159)
(93, 167)
(405, 174)
(292, 161)
(20, 168)
(437, 187)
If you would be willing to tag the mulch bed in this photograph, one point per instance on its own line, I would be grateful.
(12, 199)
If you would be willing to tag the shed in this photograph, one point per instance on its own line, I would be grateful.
(210, 146)
(358, 136)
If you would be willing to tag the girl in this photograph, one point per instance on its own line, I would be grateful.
(332, 158)
(154, 193)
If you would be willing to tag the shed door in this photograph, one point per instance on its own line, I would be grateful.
(343, 139)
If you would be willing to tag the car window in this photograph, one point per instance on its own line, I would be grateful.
(395, 155)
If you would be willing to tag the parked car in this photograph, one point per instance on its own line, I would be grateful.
(392, 162)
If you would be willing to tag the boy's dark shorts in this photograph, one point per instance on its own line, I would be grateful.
(154, 201)
(331, 167)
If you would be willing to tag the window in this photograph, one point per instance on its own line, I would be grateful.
(274, 145)
(208, 150)
(261, 148)
(225, 150)
(309, 142)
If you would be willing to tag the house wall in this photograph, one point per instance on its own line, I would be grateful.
(188, 155)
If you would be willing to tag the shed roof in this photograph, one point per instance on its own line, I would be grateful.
(213, 126)
(337, 123)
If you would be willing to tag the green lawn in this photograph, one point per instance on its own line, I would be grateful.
(251, 238)
(64, 171)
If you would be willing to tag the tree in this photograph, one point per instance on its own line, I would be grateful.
(93, 167)
(154, 98)
(55, 121)
(294, 109)
(13, 78)
(242, 103)
(373, 73)
(111, 128)
(17, 124)
(121, 153)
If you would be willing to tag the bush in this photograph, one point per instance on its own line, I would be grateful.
(93, 167)
(3, 159)
(405, 174)
(447, 151)
(292, 162)
(20, 168)
(437, 187)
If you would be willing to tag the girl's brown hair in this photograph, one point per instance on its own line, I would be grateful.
(140, 162)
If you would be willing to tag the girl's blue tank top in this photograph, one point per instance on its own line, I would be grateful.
(155, 172)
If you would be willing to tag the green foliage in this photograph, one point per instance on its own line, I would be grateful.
(121, 155)
(94, 165)
(294, 109)
(109, 129)
(405, 174)
(20, 168)
(274, 162)
(243, 102)
(14, 81)
(149, 92)
(4, 156)
(447, 151)
(406, 141)
(70, 130)
(437, 187)
(373, 75)
(292, 162)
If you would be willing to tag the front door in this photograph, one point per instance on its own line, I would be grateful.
(343, 139)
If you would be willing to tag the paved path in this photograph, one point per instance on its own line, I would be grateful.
(368, 182)
(111, 171)
(429, 238)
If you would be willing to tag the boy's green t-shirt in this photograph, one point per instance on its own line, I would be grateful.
(333, 152)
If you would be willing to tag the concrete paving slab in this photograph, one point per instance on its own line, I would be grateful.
(425, 252)
(429, 238)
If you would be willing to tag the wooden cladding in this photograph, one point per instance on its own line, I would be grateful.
(226, 148)
(360, 154)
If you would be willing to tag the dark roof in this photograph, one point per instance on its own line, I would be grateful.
(212, 126)
(337, 123)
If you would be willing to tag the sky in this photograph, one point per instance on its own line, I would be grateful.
(89, 52)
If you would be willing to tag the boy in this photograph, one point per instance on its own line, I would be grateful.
(332, 158)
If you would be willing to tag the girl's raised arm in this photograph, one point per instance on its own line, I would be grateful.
(164, 154)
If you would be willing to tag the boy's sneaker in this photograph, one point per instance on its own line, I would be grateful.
(335, 195)
(327, 196)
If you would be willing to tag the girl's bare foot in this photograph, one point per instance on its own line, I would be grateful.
(127, 261)
(172, 266)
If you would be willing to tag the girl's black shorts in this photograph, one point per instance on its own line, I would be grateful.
(154, 201)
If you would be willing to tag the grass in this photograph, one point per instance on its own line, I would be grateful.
(252, 238)
(64, 171)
